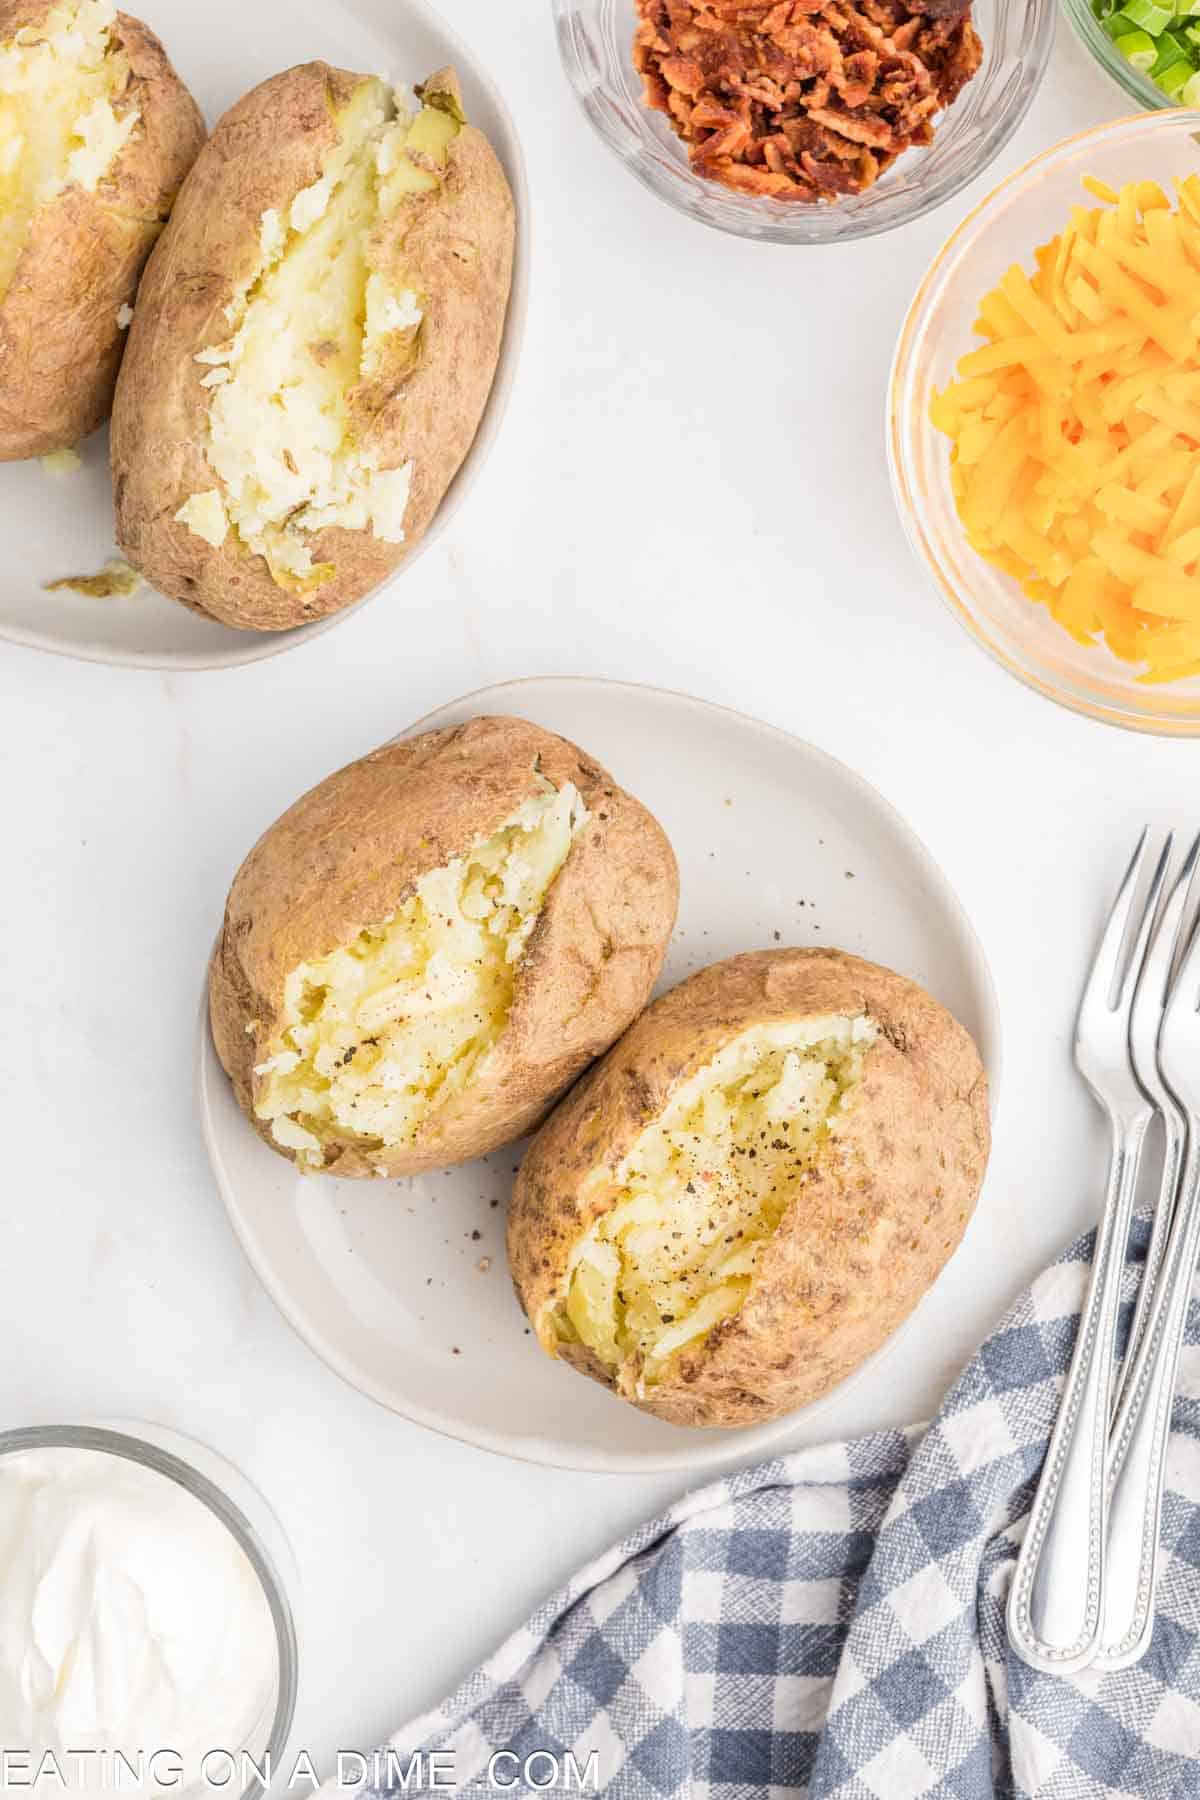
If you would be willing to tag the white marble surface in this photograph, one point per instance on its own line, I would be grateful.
(690, 490)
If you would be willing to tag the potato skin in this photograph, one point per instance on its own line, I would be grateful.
(353, 849)
(457, 246)
(879, 1215)
(60, 344)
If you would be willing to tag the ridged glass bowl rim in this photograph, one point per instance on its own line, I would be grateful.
(1074, 697)
(1138, 87)
(163, 1462)
(778, 223)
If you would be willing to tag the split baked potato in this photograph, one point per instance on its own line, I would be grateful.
(96, 135)
(315, 342)
(735, 1207)
(425, 951)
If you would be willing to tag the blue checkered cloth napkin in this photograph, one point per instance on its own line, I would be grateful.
(831, 1624)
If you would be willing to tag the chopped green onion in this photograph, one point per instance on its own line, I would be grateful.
(1171, 55)
(1172, 81)
(1139, 50)
(1157, 41)
(1149, 16)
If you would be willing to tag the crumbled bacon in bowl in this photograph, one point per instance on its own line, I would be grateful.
(802, 99)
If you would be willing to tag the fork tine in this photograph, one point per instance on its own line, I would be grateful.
(1168, 939)
(1185, 988)
(1141, 943)
(1105, 981)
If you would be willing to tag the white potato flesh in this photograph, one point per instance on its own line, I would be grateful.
(310, 327)
(59, 127)
(382, 1031)
(703, 1189)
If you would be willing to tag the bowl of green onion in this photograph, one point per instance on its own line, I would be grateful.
(1152, 47)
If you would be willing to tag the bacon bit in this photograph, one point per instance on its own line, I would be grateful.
(678, 108)
(872, 132)
(803, 99)
(860, 70)
(682, 73)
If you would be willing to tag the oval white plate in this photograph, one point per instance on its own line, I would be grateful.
(54, 526)
(402, 1286)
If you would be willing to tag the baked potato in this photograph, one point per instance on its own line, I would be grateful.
(316, 338)
(425, 951)
(96, 134)
(753, 1188)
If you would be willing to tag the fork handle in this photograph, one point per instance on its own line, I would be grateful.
(1055, 1608)
(1141, 1434)
(1175, 1139)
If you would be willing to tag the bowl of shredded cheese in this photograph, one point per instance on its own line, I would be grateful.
(1044, 423)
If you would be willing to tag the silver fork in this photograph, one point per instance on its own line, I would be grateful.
(1055, 1611)
(1142, 1428)
(1145, 1024)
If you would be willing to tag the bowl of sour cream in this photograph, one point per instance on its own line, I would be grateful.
(147, 1642)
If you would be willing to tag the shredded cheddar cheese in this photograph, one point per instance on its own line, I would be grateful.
(1076, 427)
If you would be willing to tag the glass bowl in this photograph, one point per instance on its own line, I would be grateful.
(245, 1514)
(595, 39)
(1026, 210)
(1139, 87)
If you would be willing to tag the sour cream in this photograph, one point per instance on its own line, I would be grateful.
(131, 1621)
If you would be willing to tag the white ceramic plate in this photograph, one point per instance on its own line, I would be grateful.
(387, 1281)
(64, 526)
